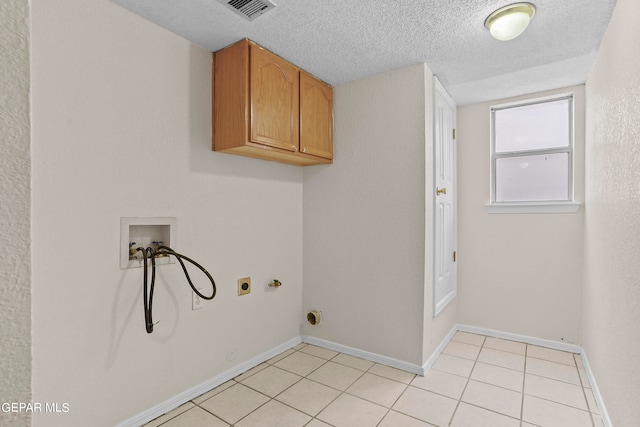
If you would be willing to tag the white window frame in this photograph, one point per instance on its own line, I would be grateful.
(568, 206)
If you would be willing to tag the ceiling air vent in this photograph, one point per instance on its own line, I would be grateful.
(249, 9)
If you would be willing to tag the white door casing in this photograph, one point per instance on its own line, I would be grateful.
(444, 194)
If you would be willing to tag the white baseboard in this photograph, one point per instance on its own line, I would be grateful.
(372, 357)
(204, 387)
(434, 356)
(596, 391)
(556, 345)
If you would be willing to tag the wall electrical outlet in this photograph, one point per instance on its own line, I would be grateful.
(196, 302)
(244, 286)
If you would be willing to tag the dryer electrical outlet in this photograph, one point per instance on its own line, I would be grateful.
(244, 286)
(143, 232)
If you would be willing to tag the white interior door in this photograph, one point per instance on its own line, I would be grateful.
(444, 193)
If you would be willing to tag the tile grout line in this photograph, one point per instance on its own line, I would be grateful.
(211, 413)
(524, 378)
(581, 385)
(483, 346)
(363, 372)
(313, 417)
(406, 387)
(396, 400)
(177, 415)
(269, 397)
(340, 392)
(584, 393)
(468, 379)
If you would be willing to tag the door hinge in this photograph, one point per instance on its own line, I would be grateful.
(455, 256)
(454, 134)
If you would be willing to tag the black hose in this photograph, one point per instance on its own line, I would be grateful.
(167, 250)
(148, 290)
(148, 296)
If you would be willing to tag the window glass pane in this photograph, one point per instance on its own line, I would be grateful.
(532, 127)
(538, 178)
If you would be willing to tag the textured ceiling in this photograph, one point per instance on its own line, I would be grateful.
(343, 40)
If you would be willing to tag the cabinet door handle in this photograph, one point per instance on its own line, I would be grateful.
(294, 148)
(440, 191)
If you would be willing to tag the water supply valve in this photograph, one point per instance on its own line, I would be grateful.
(275, 283)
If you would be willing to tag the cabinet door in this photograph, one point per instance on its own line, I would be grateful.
(316, 117)
(274, 95)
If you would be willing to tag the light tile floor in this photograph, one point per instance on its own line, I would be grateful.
(476, 381)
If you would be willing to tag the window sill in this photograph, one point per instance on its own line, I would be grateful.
(532, 208)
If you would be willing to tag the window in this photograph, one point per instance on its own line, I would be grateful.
(532, 156)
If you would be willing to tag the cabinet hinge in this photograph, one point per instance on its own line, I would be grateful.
(454, 134)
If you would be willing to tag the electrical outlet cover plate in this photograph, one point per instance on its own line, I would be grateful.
(244, 285)
(196, 303)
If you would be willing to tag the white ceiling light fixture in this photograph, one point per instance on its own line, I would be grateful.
(509, 22)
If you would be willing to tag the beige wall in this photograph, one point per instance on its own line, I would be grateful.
(518, 273)
(612, 226)
(364, 219)
(15, 209)
(122, 127)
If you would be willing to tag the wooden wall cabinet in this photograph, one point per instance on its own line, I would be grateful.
(266, 107)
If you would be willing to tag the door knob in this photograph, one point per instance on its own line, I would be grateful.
(440, 191)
